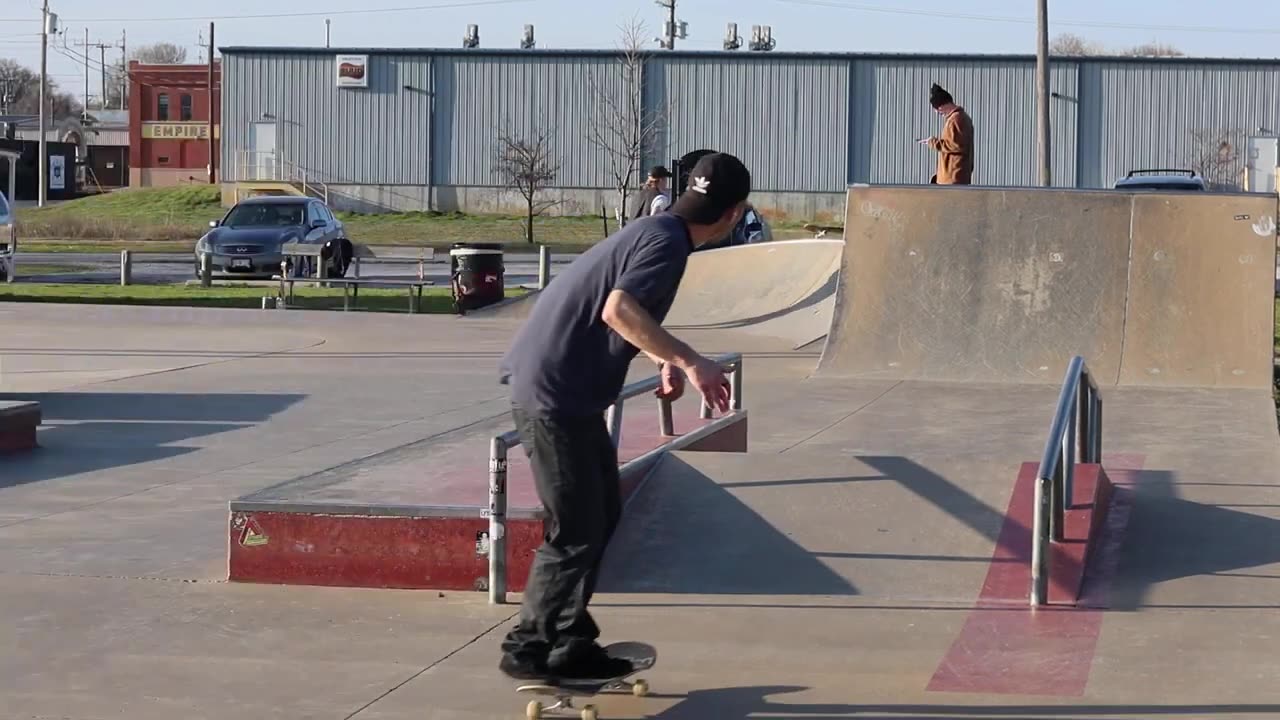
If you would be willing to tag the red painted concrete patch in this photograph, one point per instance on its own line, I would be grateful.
(1005, 647)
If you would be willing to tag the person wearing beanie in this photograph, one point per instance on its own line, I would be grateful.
(654, 197)
(955, 145)
(566, 365)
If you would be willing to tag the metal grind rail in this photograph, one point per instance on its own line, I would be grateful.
(500, 445)
(1076, 432)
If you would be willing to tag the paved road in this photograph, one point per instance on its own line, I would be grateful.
(105, 267)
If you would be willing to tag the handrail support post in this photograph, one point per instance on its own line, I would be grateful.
(497, 521)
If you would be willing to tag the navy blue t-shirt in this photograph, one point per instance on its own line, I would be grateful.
(565, 361)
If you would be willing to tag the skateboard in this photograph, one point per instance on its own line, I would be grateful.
(822, 230)
(642, 657)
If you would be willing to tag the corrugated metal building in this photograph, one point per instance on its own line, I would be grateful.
(418, 129)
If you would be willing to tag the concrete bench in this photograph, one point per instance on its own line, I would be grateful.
(18, 423)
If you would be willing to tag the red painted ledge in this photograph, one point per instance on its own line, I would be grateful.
(18, 424)
(443, 548)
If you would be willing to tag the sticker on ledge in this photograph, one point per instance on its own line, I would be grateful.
(482, 543)
(251, 534)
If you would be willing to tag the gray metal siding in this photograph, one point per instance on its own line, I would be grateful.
(1166, 116)
(784, 117)
(890, 110)
(477, 98)
(376, 135)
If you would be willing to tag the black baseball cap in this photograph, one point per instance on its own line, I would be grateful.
(716, 183)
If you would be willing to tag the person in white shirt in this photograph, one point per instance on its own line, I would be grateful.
(655, 196)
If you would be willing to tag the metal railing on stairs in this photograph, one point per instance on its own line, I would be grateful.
(257, 166)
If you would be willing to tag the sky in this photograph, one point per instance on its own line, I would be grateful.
(1225, 28)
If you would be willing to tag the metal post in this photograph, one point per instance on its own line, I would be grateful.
(666, 425)
(206, 270)
(614, 421)
(43, 193)
(1055, 501)
(1069, 460)
(1084, 422)
(544, 266)
(735, 386)
(1039, 551)
(497, 521)
(1097, 427)
(126, 267)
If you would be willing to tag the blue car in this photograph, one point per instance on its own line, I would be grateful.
(248, 241)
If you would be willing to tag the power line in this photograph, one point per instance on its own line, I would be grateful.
(1031, 21)
(263, 16)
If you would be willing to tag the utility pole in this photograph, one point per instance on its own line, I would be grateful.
(84, 113)
(124, 74)
(42, 194)
(102, 60)
(1042, 92)
(326, 32)
(670, 30)
(212, 144)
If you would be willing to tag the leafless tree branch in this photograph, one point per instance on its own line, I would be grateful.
(526, 165)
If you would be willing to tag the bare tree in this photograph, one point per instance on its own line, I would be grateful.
(526, 165)
(1070, 45)
(1153, 49)
(20, 93)
(623, 128)
(161, 53)
(1073, 46)
(1215, 155)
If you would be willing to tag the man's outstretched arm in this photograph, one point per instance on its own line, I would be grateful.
(630, 320)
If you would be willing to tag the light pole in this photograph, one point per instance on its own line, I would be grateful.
(1042, 92)
(42, 194)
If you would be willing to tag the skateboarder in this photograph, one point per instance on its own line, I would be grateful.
(955, 145)
(565, 367)
(654, 196)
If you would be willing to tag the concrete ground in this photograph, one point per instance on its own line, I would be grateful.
(834, 572)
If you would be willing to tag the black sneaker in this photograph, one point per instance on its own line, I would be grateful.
(592, 664)
(522, 668)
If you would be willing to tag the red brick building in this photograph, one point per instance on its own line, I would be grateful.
(169, 123)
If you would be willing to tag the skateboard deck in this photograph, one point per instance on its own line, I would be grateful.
(642, 656)
(822, 230)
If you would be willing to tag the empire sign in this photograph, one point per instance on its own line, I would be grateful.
(178, 131)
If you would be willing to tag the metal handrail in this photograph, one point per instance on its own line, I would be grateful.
(248, 168)
(500, 445)
(1076, 432)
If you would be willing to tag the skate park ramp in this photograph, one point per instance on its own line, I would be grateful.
(784, 289)
(1006, 285)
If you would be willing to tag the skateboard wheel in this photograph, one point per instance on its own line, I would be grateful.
(640, 688)
(589, 713)
(533, 711)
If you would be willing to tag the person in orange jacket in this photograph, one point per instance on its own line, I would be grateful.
(955, 145)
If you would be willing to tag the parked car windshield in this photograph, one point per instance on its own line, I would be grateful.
(263, 215)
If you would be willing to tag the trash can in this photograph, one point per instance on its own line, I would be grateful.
(477, 273)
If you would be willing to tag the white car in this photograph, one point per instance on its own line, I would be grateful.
(1178, 180)
(8, 239)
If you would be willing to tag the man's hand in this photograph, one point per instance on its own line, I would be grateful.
(708, 377)
(672, 387)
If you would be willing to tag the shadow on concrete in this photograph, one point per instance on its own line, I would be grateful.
(684, 533)
(85, 432)
(1170, 538)
(756, 702)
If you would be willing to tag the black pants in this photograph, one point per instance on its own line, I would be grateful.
(575, 470)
